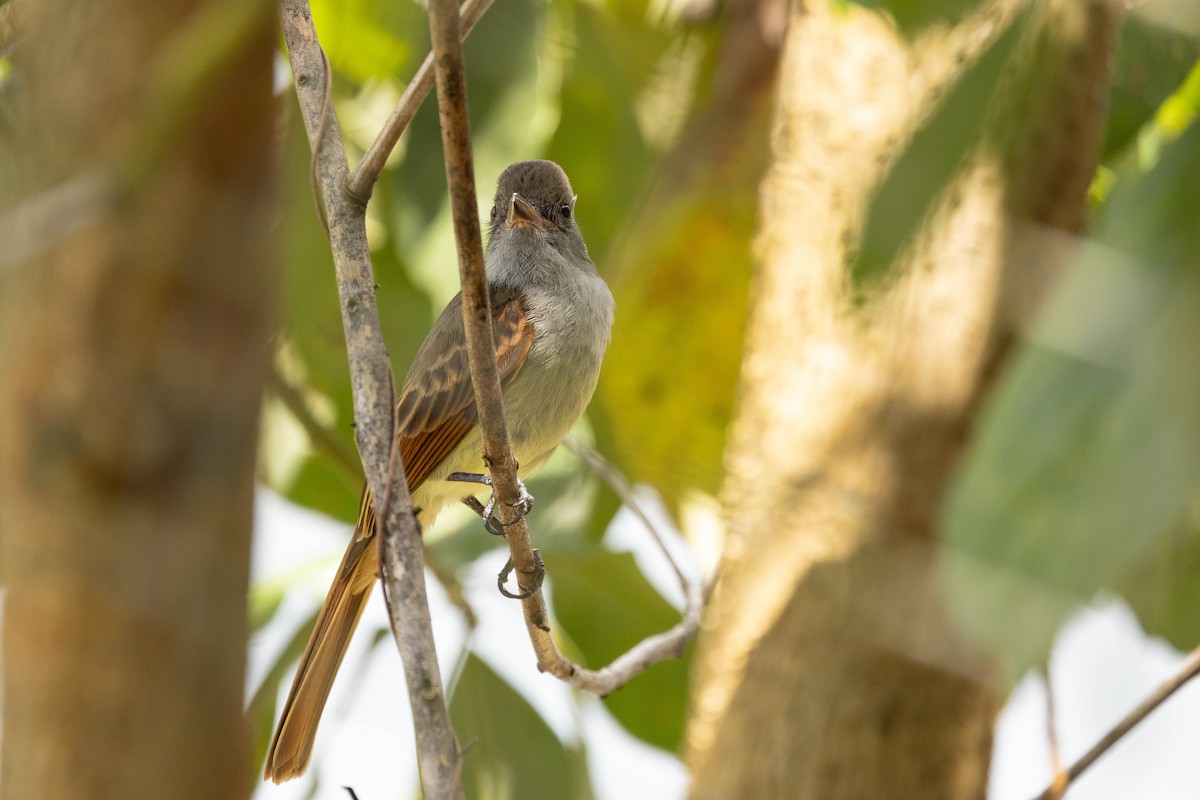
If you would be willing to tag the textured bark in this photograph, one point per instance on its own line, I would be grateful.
(132, 356)
(830, 666)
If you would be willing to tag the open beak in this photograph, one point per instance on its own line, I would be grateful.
(521, 213)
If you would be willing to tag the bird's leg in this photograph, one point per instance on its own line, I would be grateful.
(470, 477)
(492, 525)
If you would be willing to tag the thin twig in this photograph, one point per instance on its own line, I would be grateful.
(456, 144)
(1189, 670)
(401, 552)
(608, 473)
(362, 180)
(1059, 783)
(477, 317)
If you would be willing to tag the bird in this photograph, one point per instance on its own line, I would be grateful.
(552, 317)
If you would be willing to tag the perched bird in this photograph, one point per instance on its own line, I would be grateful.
(552, 317)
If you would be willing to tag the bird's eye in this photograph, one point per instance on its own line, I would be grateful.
(565, 211)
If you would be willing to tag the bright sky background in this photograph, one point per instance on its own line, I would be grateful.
(1102, 666)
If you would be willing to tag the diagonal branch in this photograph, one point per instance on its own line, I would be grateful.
(607, 472)
(362, 181)
(1059, 785)
(497, 448)
(477, 314)
(402, 556)
(1189, 670)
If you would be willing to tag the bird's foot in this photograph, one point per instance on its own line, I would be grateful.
(491, 523)
(537, 577)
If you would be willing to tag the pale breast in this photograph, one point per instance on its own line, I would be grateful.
(572, 327)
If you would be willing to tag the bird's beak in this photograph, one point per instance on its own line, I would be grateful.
(521, 213)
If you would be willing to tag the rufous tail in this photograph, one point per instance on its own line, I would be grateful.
(292, 745)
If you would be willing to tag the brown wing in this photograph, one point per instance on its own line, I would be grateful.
(437, 404)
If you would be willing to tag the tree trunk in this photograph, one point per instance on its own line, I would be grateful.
(830, 666)
(132, 355)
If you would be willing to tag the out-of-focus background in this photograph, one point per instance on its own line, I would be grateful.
(1103, 664)
(908, 301)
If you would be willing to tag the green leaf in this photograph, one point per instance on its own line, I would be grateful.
(1086, 465)
(930, 160)
(1164, 590)
(913, 15)
(605, 606)
(1151, 62)
(598, 141)
(323, 486)
(511, 752)
(366, 39)
(667, 389)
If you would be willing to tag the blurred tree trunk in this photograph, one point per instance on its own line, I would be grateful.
(830, 665)
(132, 355)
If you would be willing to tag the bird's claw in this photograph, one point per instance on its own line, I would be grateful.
(491, 523)
(538, 576)
(521, 508)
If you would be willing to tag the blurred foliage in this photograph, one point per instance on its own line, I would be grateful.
(911, 16)
(513, 753)
(930, 160)
(590, 590)
(370, 39)
(665, 417)
(1085, 473)
(1151, 64)
(681, 267)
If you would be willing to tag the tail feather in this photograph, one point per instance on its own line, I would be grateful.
(293, 743)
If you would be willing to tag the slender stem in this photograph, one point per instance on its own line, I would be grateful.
(607, 472)
(477, 315)
(1189, 670)
(497, 448)
(362, 181)
(402, 555)
(1059, 784)
(476, 306)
